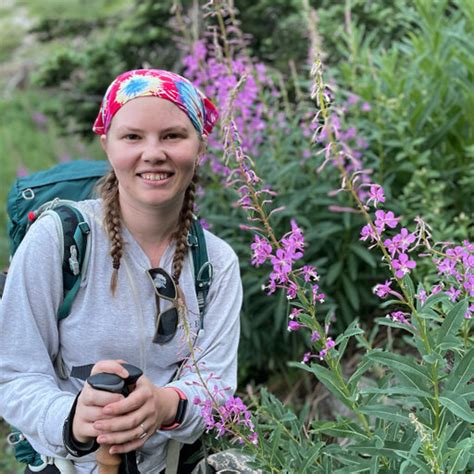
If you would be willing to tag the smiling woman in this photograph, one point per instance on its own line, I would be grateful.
(153, 149)
(153, 125)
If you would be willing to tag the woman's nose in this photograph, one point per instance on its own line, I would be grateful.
(154, 151)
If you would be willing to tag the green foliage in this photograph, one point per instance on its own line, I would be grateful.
(126, 41)
(420, 89)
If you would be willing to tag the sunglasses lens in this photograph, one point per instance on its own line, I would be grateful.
(164, 284)
(167, 325)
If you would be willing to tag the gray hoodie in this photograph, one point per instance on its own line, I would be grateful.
(36, 400)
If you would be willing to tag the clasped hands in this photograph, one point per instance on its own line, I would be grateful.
(124, 424)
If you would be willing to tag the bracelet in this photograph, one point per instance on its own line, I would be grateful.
(180, 411)
(74, 447)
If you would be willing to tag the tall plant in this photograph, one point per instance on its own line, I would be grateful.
(406, 407)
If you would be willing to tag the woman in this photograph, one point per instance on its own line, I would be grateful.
(153, 126)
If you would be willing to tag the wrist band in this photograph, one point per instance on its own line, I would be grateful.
(73, 446)
(180, 411)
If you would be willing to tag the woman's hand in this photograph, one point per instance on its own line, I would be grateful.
(91, 403)
(127, 423)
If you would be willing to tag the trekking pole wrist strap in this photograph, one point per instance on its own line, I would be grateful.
(74, 447)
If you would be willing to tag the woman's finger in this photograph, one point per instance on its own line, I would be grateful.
(110, 367)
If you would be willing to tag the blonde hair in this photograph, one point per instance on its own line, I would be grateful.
(109, 192)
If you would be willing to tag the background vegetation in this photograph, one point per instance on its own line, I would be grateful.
(401, 70)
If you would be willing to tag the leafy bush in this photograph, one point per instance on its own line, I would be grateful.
(420, 89)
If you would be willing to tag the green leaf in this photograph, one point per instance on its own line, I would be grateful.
(409, 391)
(391, 449)
(333, 273)
(452, 321)
(460, 455)
(327, 378)
(386, 412)
(362, 368)
(434, 299)
(409, 287)
(340, 429)
(457, 405)
(351, 292)
(393, 324)
(352, 330)
(364, 254)
(311, 456)
(467, 392)
(399, 363)
(462, 373)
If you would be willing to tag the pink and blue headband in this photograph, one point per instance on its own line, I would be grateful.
(157, 83)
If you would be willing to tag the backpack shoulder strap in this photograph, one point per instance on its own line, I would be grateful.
(75, 234)
(203, 270)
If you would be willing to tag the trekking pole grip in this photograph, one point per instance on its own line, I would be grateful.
(110, 463)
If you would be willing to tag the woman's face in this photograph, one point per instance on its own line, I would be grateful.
(153, 148)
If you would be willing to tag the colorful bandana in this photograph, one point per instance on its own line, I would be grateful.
(164, 84)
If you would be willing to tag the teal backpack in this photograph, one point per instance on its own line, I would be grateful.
(55, 190)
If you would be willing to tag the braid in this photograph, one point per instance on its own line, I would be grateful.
(181, 235)
(109, 192)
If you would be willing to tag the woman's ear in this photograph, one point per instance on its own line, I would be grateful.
(103, 142)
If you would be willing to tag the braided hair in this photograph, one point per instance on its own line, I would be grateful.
(109, 191)
(184, 225)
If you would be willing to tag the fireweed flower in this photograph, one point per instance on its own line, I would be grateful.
(403, 265)
(422, 296)
(294, 326)
(233, 413)
(383, 290)
(329, 345)
(399, 317)
(453, 294)
(376, 194)
(404, 239)
(295, 312)
(383, 219)
(368, 232)
(309, 273)
(282, 265)
(262, 250)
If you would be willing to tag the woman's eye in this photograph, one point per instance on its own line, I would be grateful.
(173, 136)
(131, 136)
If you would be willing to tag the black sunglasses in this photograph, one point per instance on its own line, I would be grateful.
(166, 322)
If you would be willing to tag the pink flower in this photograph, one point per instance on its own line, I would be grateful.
(368, 232)
(294, 326)
(383, 219)
(376, 194)
(295, 312)
(453, 294)
(404, 239)
(310, 273)
(421, 296)
(262, 250)
(399, 317)
(382, 290)
(403, 265)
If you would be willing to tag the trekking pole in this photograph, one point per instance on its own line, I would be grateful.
(110, 463)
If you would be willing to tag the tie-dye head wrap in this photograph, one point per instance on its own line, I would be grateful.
(157, 83)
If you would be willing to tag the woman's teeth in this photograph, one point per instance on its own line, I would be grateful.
(155, 176)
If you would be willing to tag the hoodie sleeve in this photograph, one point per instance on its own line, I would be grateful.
(30, 398)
